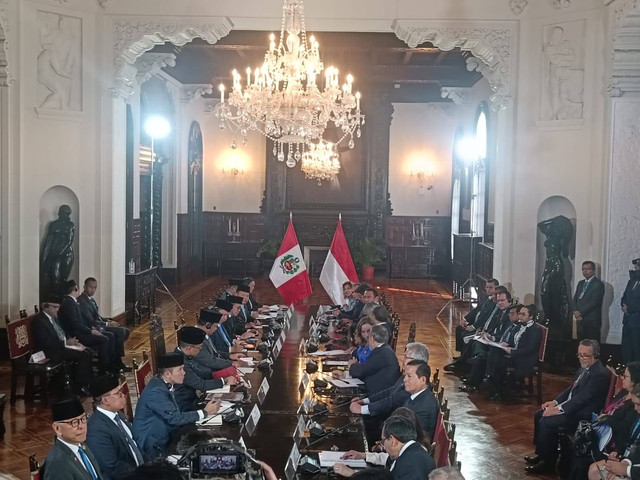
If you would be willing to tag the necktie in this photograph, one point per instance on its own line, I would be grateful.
(132, 445)
(635, 429)
(58, 329)
(585, 285)
(94, 303)
(575, 383)
(87, 463)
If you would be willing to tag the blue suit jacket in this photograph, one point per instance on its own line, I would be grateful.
(111, 448)
(157, 418)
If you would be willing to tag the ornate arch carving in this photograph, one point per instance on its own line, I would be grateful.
(625, 63)
(491, 48)
(135, 37)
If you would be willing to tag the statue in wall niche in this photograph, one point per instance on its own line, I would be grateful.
(563, 77)
(58, 63)
(57, 253)
(553, 287)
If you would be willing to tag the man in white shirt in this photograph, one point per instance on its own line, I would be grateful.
(110, 435)
(70, 458)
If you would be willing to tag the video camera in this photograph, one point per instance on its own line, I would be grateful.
(216, 457)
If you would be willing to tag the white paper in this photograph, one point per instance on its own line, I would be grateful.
(338, 383)
(212, 421)
(246, 370)
(246, 360)
(328, 353)
(173, 459)
(329, 458)
(337, 363)
(353, 381)
(38, 357)
(79, 348)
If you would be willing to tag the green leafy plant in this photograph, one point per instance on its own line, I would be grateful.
(368, 252)
(269, 248)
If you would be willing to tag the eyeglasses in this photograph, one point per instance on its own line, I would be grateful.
(76, 422)
(584, 355)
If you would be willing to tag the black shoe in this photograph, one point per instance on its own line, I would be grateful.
(452, 367)
(476, 358)
(468, 388)
(532, 459)
(455, 359)
(543, 466)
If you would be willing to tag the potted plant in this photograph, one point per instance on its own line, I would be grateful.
(366, 254)
(268, 252)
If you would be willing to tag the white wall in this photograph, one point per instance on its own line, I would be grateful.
(421, 139)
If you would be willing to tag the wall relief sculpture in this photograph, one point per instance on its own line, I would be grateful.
(562, 72)
(59, 64)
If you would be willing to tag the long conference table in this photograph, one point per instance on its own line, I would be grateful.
(290, 392)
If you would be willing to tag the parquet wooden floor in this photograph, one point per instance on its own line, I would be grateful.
(492, 438)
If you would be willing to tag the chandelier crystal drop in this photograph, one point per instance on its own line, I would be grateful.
(291, 98)
(320, 162)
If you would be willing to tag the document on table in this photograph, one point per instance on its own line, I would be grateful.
(224, 389)
(247, 361)
(353, 382)
(246, 370)
(329, 458)
(328, 353)
(338, 383)
(336, 363)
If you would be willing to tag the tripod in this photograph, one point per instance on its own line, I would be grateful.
(458, 294)
(182, 310)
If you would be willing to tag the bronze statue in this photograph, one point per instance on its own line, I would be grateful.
(57, 254)
(553, 288)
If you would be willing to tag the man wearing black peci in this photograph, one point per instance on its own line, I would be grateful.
(578, 401)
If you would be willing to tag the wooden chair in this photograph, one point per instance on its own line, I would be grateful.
(156, 340)
(453, 455)
(538, 369)
(613, 381)
(142, 373)
(440, 396)
(20, 337)
(412, 333)
(177, 326)
(441, 445)
(34, 468)
(128, 407)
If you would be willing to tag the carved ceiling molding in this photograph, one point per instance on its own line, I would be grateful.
(491, 48)
(103, 3)
(150, 64)
(192, 92)
(625, 65)
(518, 6)
(5, 77)
(561, 3)
(133, 38)
(459, 95)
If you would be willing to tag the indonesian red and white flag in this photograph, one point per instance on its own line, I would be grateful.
(338, 267)
(289, 273)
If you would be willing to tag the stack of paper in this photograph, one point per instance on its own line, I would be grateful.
(328, 459)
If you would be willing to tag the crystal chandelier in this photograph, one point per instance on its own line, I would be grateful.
(320, 162)
(289, 99)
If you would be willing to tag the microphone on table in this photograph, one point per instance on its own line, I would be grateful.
(328, 433)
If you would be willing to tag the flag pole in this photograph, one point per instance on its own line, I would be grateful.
(290, 216)
(340, 217)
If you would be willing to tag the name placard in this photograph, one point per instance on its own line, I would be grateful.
(262, 391)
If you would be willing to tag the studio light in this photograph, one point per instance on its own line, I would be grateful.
(157, 127)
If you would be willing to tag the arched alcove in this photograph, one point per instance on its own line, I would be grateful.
(552, 207)
(50, 203)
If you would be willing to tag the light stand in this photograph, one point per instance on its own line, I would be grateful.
(474, 166)
(156, 128)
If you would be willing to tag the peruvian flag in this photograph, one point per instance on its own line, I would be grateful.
(338, 267)
(289, 273)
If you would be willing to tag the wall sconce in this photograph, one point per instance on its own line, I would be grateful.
(424, 175)
(234, 164)
(232, 171)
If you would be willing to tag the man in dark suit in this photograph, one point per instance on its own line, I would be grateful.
(477, 315)
(630, 305)
(578, 401)
(421, 398)
(209, 356)
(254, 305)
(51, 339)
(69, 458)
(244, 314)
(197, 377)
(90, 314)
(587, 303)
(381, 369)
(408, 460)
(110, 436)
(158, 417)
(385, 402)
(74, 326)
(379, 373)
